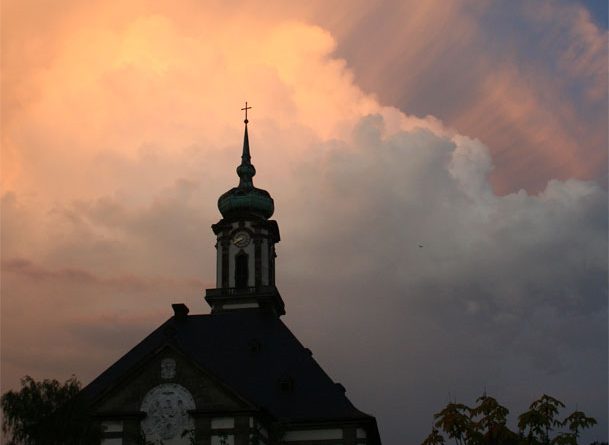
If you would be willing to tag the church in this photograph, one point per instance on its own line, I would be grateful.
(236, 376)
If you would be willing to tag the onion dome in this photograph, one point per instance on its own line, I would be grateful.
(246, 200)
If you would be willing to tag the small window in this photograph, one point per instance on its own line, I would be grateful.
(360, 433)
(222, 423)
(286, 384)
(112, 426)
(254, 346)
(111, 432)
(223, 439)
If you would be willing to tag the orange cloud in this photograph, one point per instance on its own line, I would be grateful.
(151, 79)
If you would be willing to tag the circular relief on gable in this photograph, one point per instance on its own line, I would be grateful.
(167, 420)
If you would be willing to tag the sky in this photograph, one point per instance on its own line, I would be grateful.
(439, 171)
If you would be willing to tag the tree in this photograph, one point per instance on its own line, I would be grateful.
(46, 413)
(486, 424)
(540, 420)
(578, 421)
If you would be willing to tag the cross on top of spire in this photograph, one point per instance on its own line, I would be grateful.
(246, 108)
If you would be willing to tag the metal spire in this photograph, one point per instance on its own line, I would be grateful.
(246, 170)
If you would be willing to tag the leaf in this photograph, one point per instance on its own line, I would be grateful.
(577, 421)
(564, 439)
(434, 438)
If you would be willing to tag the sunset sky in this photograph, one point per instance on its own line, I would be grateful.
(476, 129)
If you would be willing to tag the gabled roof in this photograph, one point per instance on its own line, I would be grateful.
(255, 355)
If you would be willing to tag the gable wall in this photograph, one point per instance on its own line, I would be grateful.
(124, 402)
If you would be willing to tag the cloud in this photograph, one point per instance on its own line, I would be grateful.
(402, 269)
(529, 80)
(504, 292)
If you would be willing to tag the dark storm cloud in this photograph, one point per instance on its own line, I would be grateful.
(439, 286)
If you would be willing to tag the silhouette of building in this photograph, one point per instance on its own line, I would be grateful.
(237, 376)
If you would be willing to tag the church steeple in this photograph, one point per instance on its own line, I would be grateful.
(246, 238)
(246, 170)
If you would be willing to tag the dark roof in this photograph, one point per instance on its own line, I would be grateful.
(252, 353)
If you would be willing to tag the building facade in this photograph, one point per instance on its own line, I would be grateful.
(236, 376)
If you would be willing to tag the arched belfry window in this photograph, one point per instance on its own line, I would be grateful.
(241, 270)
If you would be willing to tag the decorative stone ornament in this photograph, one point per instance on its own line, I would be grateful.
(167, 420)
(168, 368)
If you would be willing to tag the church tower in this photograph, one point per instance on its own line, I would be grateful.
(245, 247)
(237, 376)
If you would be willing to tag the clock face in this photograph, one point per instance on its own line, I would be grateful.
(241, 238)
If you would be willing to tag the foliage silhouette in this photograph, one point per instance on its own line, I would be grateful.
(46, 413)
(486, 424)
